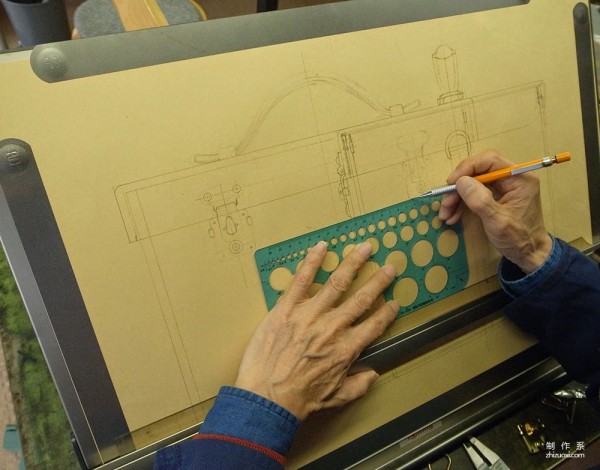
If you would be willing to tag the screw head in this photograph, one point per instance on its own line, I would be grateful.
(13, 158)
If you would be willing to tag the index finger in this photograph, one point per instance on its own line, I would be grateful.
(306, 274)
(487, 161)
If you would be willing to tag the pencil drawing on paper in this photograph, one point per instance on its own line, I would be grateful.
(405, 140)
(275, 184)
(230, 225)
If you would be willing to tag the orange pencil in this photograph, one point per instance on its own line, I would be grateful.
(505, 172)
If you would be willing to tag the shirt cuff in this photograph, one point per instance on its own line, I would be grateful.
(516, 283)
(245, 415)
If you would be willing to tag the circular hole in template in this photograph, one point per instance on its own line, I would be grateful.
(435, 206)
(406, 291)
(436, 279)
(413, 213)
(280, 278)
(347, 249)
(334, 241)
(397, 259)
(343, 237)
(371, 228)
(374, 245)
(407, 233)
(402, 217)
(330, 262)
(391, 221)
(424, 210)
(422, 253)
(302, 252)
(381, 225)
(362, 231)
(352, 235)
(447, 243)
(422, 227)
(436, 222)
(390, 239)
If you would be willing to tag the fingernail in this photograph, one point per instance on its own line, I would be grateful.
(390, 270)
(395, 305)
(364, 248)
(465, 182)
(320, 247)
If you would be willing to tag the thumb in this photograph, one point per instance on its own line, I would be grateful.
(476, 196)
(354, 387)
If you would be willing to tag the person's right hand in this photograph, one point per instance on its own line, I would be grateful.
(510, 209)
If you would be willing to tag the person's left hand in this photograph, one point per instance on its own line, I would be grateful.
(300, 354)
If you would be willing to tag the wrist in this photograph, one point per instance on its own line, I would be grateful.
(245, 415)
(516, 283)
(535, 254)
(265, 390)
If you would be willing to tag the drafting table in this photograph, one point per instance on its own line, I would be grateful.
(142, 173)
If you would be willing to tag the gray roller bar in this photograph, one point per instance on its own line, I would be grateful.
(104, 54)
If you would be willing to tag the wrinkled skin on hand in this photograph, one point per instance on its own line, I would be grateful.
(300, 354)
(510, 209)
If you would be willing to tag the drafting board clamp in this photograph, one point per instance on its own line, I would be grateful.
(154, 212)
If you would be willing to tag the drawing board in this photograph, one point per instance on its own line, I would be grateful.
(157, 187)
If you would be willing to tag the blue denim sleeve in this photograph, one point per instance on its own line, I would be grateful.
(244, 415)
(516, 283)
(560, 305)
(242, 430)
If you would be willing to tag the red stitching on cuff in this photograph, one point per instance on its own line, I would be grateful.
(263, 450)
